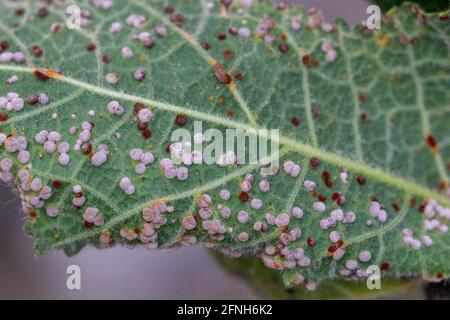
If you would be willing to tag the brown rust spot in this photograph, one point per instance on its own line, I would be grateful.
(295, 121)
(146, 134)
(442, 185)
(20, 11)
(362, 97)
(56, 184)
(338, 198)
(205, 46)
(311, 241)
(305, 60)
(33, 214)
(384, 266)
(283, 47)
(314, 163)
(221, 74)
(227, 54)
(91, 47)
(3, 117)
(180, 120)
(361, 180)
(37, 51)
(326, 179)
(422, 206)
(88, 225)
(141, 126)
(239, 77)
(177, 19)
(335, 196)
(41, 74)
(169, 10)
(331, 250)
(432, 143)
(309, 61)
(244, 196)
(4, 45)
(42, 12)
(87, 149)
(138, 106)
(106, 58)
(365, 117)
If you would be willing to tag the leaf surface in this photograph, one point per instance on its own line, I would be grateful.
(379, 112)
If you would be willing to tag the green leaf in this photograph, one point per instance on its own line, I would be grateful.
(429, 6)
(379, 112)
(268, 283)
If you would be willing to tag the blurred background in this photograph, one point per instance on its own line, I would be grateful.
(187, 273)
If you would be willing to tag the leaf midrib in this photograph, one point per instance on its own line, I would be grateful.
(301, 148)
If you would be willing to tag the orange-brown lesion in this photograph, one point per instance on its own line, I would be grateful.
(45, 74)
(53, 74)
(442, 185)
(383, 40)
